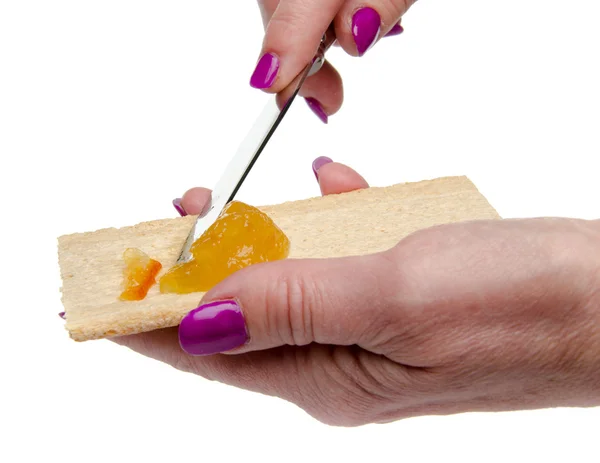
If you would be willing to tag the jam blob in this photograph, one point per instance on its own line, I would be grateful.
(240, 237)
(139, 274)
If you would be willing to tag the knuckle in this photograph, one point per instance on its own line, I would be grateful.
(402, 334)
(293, 29)
(290, 300)
(285, 24)
(418, 253)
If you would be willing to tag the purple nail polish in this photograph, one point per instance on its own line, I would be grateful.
(178, 207)
(366, 25)
(63, 315)
(316, 108)
(318, 163)
(265, 72)
(396, 30)
(213, 328)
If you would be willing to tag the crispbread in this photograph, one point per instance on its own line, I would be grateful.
(353, 223)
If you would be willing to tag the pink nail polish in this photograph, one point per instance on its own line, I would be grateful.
(316, 108)
(366, 25)
(213, 328)
(318, 163)
(178, 207)
(396, 30)
(266, 71)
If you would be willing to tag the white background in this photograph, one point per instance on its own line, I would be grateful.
(110, 109)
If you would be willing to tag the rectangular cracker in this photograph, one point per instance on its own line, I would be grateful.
(354, 223)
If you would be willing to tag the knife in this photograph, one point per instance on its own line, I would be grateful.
(251, 147)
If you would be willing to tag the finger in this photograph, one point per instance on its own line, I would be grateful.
(193, 201)
(335, 178)
(267, 8)
(359, 24)
(292, 38)
(292, 302)
(338, 179)
(397, 29)
(323, 92)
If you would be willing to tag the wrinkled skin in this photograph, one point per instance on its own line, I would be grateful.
(477, 316)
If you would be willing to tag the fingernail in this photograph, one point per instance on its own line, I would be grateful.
(178, 207)
(396, 30)
(265, 72)
(366, 25)
(318, 163)
(62, 315)
(316, 108)
(213, 328)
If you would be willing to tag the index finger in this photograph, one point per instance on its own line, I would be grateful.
(193, 201)
(292, 38)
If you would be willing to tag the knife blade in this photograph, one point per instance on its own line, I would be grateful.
(251, 147)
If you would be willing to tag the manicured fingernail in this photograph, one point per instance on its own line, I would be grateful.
(213, 328)
(265, 72)
(318, 163)
(396, 30)
(316, 108)
(178, 207)
(63, 315)
(366, 25)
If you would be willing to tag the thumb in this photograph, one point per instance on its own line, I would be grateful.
(338, 301)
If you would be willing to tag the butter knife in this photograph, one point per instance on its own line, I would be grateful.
(251, 147)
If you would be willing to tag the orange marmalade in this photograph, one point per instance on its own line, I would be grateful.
(139, 274)
(240, 237)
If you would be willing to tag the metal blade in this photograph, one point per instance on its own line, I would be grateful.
(240, 165)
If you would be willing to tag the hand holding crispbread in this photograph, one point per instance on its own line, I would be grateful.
(365, 305)
(394, 302)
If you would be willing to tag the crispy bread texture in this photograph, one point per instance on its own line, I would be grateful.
(353, 223)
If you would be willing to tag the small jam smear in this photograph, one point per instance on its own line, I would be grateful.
(139, 274)
(240, 237)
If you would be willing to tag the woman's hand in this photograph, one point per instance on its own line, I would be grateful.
(477, 316)
(293, 31)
